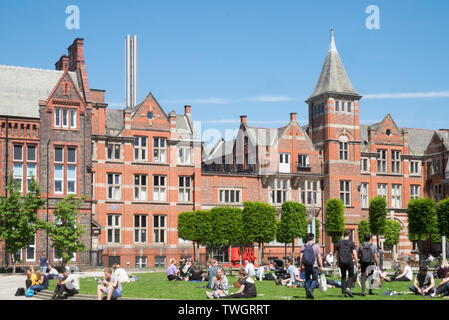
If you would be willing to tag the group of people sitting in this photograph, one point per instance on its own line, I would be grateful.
(187, 271)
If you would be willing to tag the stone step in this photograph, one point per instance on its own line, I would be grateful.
(47, 295)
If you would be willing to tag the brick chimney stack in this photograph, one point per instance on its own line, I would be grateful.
(76, 53)
(63, 63)
(292, 116)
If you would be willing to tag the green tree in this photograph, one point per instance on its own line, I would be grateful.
(65, 231)
(19, 220)
(392, 233)
(204, 228)
(443, 217)
(227, 228)
(187, 227)
(292, 224)
(335, 219)
(421, 220)
(377, 216)
(259, 223)
(362, 229)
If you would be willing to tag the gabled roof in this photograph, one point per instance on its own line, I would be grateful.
(21, 89)
(333, 77)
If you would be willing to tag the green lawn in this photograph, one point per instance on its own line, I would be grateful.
(155, 285)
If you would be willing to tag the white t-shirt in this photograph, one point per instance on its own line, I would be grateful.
(72, 282)
(330, 259)
(121, 275)
(249, 268)
(409, 274)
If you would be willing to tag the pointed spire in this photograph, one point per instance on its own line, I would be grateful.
(333, 77)
(332, 47)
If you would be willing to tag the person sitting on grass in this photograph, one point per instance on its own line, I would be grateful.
(67, 284)
(220, 285)
(196, 272)
(172, 272)
(442, 270)
(53, 273)
(298, 280)
(407, 273)
(121, 274)
(186, 271)
(212, 273)
(443, 287)
(247, 287)
(110, 286)
(424, 283)
(42, 282)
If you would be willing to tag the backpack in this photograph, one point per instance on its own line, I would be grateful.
(29, 293)
(20, 292)
(308, 258)
(269, 276)
(344, 254)
(366, 255)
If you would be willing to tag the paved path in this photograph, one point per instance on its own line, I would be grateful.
(9, 283)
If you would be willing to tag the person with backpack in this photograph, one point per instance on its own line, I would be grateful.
(312, 263)
(367, 253)
(346, 254)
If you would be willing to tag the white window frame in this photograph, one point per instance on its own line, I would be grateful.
(34, 171)
(31, 246)
(21, 152)
(382, 191)
(113, 146)
(140, 149)
(115, 225)
(396, 196)
(58, 179)
(139, 230)
(437, 191)
(231, 196)
(415, 167)
(18, 174)
(62, 154)
(415, 191)
(184, 189)
(73, 114)
(284, 162)
(159, 189)
(382, 156)
(345, 192)
(35, 153)
(303, 161)
(279, 190)
(141, 261)
(71, 179)
(395, 161)
(76, 154)
(65, 117)
(363, 161)
(159, 230)
(343, 148)
(364, 194)
(57, 118)
(139, 188)
(184, 155)
(159, 153)
(116, 186)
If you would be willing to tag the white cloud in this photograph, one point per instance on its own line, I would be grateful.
(268, 98)
(407, 95)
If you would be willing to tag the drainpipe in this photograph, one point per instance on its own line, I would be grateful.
(6, 175)
(48, 157)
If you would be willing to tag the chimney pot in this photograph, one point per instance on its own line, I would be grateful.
(187, 109)
(243, 119)
(292, 116)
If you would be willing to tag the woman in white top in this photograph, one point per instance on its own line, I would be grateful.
(407, 273)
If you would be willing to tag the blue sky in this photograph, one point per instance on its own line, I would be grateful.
(259, 58)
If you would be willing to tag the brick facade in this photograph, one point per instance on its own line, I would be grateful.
(140, 167)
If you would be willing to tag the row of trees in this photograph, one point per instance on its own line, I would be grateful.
(256, 223)
(19, 222)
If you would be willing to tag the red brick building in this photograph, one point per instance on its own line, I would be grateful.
(140, 167)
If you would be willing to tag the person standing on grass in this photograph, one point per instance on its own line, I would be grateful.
(249, 268)
(424, 283)
(367, 257)
(346, 254)
(111, 286)
(247, 287)
(312, 263)
(43, 261)
(212, 273)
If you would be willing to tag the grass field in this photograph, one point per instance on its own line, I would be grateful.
(155, 285)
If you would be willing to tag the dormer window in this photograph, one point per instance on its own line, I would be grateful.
(65, 118)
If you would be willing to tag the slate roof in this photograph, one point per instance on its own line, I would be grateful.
(21, 89)
(333, 77)
(114, 122)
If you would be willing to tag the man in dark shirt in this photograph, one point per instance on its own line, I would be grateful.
(346, 254)
(367, 254)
